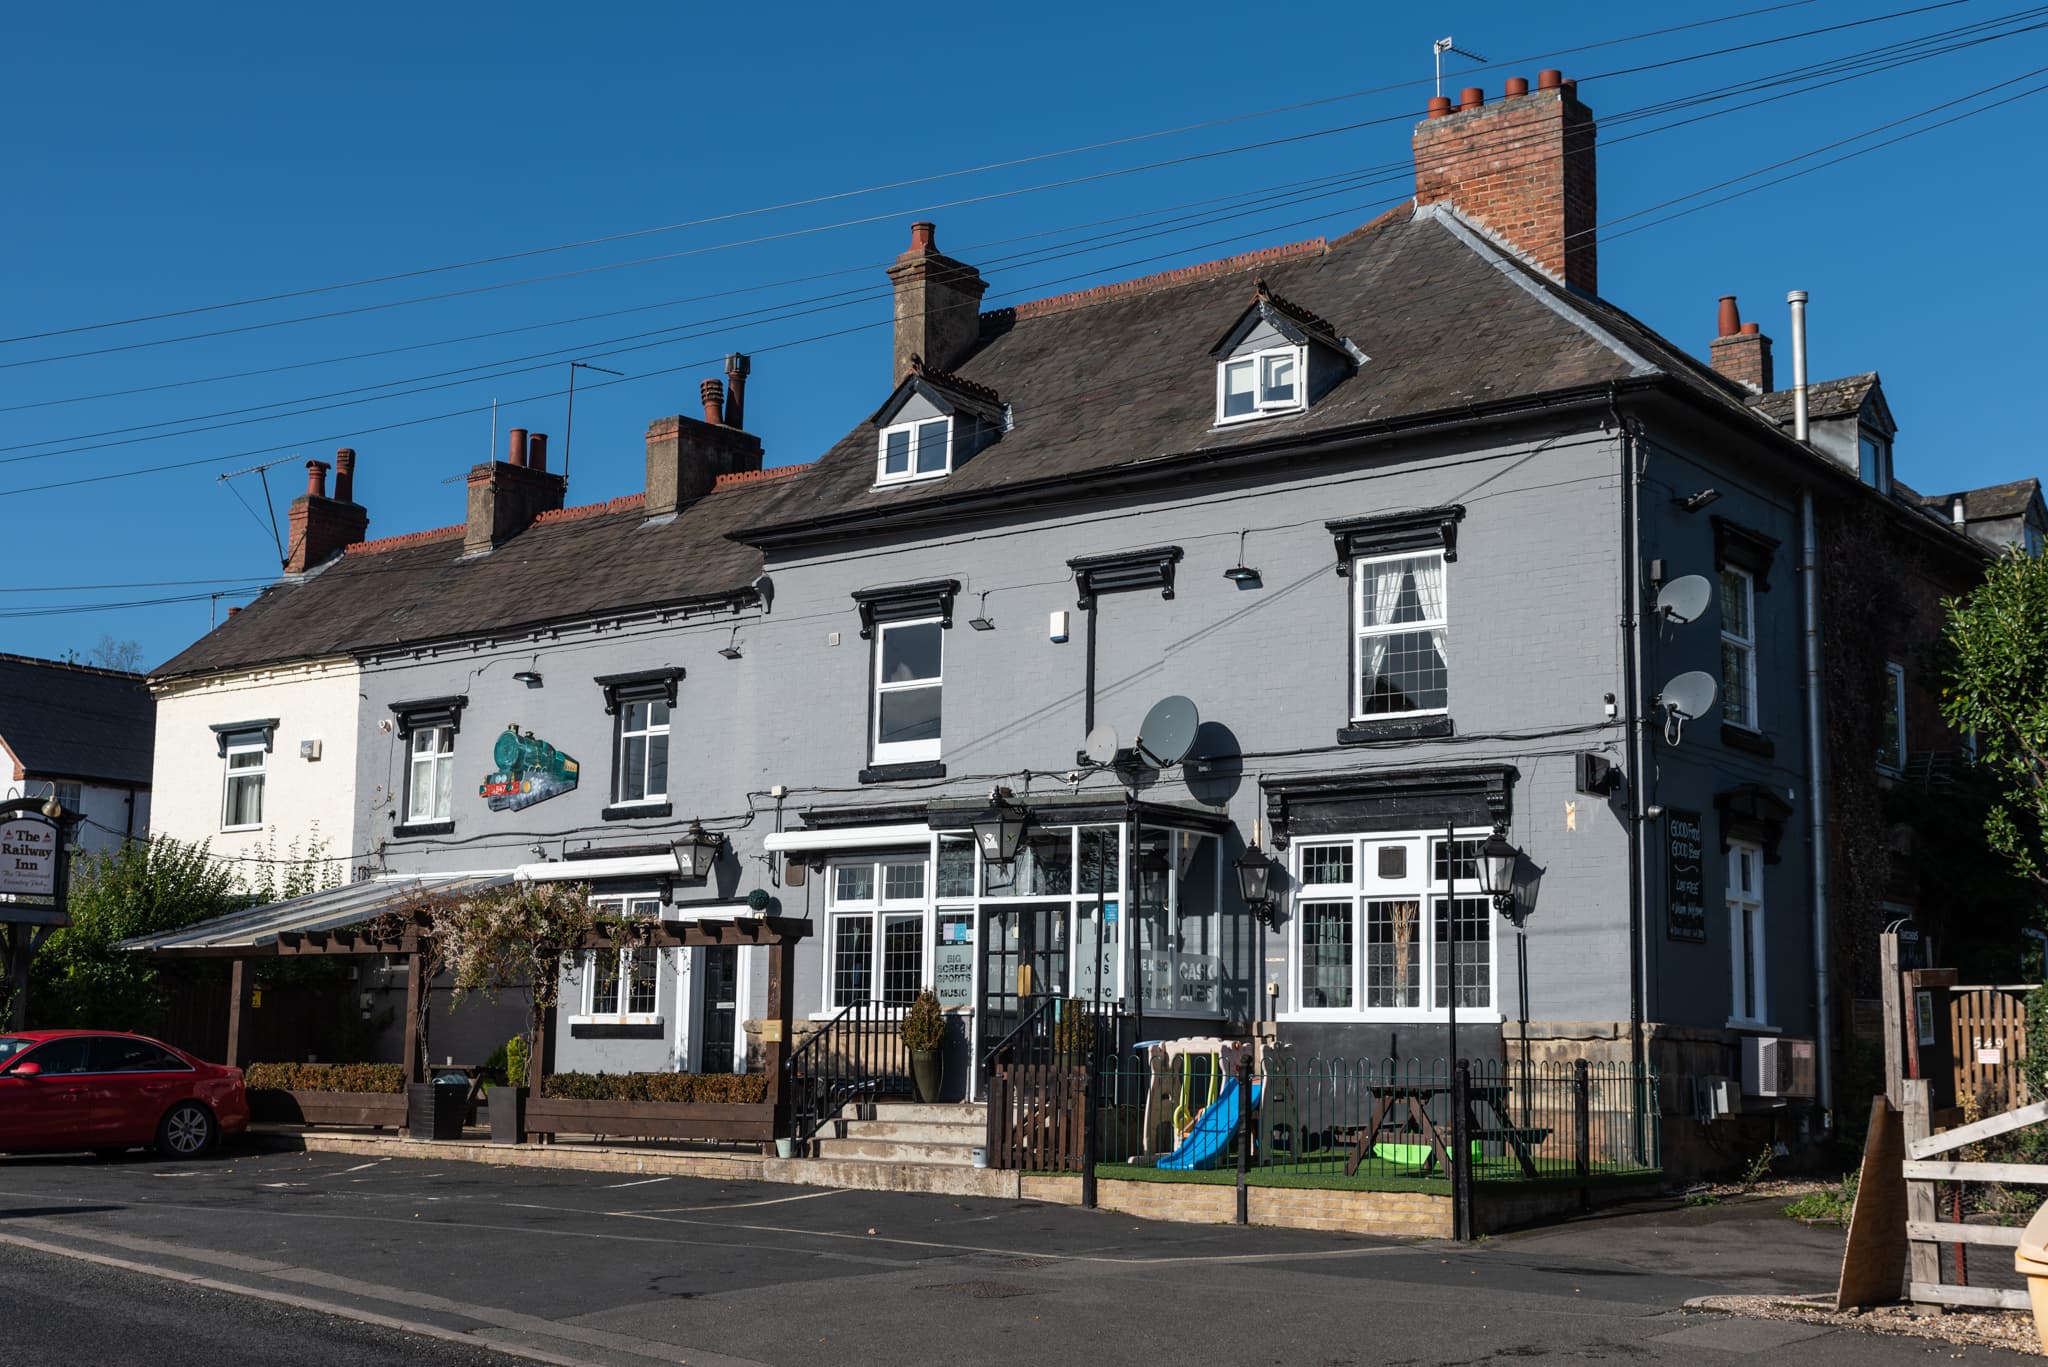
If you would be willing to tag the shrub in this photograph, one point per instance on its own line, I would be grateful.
(325, 1077)
(1075, 1033)
(924, 1024)
(701, 1088)
(1830, 1204)
(516, 1050)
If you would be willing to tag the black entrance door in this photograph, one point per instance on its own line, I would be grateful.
(1024, 959)
(717, 1008)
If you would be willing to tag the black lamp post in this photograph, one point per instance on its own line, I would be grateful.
(1000, 830)
(1497, 860)
(1255, 882)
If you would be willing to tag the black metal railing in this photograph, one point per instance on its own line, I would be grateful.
(856, 1058)
(1073, 1030)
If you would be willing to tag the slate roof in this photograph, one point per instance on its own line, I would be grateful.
(1841, 398)
(75, 721)
(1995, 501)
(1119, 377)
(572, 563)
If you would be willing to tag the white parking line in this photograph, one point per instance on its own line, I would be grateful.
(643, 1182)
(362, 1167)
(731, 1205)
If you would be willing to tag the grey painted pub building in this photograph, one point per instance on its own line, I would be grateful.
(1393, 510)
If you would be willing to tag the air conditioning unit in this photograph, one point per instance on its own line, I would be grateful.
(1776, 1067)
(1716, 1098)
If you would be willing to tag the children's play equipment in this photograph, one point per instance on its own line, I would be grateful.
(1193, 1107)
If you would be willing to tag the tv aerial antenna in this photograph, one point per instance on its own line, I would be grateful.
(1443, 45)
(269, 504)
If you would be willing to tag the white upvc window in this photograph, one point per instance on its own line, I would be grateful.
(70, 796)
(1738, 648)
(878, 911)
(1385, 924)
(909, 684)
(1746, 934)
(1401, 631)
(643, 750)
(1262, 384)
(242, 801)
(622, 986)
(1891, 746)
(915, 450)
(430, 775)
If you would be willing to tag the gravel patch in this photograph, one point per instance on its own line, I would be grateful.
(2012, 1329)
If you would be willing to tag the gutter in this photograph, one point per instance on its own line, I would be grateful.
(1816, 797)
(1638, 776)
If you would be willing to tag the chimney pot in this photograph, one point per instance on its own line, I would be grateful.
(1958, 513)
(1740, 351)
(713, 393)
(517, 454)
(1729, 321)
(1518, 85)
(233, 610)
(737, 368)
(345, 475)
(537, 452)
(1439, 106)
(316, 479)
(924, 237)
(1752, 329)
(1550, 78)
(319, 526)
(1471, 97)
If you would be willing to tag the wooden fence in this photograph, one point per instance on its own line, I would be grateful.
(1037, 1115)
(1926, 1166)
(1988, 1031)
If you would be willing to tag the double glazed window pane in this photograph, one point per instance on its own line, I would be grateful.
(643, 750)
(1325, 955)
(244, 805)
(896, 453)
(1393, 954)
(853, 949)
(909, 714)
(907, 708)
(1278, 380)
(433, 774)
(902, 959)
(1402, 635)
(1465, 920)
(931, 447)
(640, 994)
(1240, 389)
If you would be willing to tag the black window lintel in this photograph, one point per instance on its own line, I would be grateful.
(1752, 811)
(1418, 799)
(1422, 529)
(1124, 571)
(638, 687)
(224, 732)
(1745, 549)
(424, 712)
(929, 598)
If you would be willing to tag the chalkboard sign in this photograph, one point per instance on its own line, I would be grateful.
(1685, 893)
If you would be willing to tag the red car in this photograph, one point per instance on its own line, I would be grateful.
(86, 1089)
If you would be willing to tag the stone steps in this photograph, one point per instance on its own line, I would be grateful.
(941, 1135)
(917, 1132)
(890, 1151)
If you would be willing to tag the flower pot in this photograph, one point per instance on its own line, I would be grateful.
(785, 1147)
(435, 1110)
(507, 1106)
(927, 1072)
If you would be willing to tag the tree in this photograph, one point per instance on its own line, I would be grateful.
(140, 888)
(1996, 687)
(113, 654)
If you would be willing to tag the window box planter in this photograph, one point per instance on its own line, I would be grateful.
(381, 1110)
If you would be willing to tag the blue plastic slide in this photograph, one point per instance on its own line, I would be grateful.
(1212, 1132)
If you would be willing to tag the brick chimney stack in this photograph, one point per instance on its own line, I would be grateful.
(1740, 350)
(506, 496)
(938, 305)
(1522, 169)
(685, 455)
(320, 526)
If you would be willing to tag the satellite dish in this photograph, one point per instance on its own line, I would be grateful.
(1168, 732)
(1101, 746)
(1690, 695)
(1685, 599)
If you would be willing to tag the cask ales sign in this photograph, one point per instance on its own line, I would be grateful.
(1685, 893)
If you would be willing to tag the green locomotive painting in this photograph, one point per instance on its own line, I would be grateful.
(529, 771)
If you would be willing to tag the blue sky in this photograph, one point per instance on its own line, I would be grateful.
(180, 157)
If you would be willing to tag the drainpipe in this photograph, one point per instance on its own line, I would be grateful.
(1638, 752)
(1816, 747)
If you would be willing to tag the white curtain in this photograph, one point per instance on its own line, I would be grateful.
(1429, 597)
(1379, 594)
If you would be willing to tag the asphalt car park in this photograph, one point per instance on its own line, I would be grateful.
(606, 1267)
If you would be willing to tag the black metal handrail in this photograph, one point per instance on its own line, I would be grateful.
(1024, 1029)
(856, 1056)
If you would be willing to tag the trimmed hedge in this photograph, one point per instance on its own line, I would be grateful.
(710, 1088)
(325, 1077)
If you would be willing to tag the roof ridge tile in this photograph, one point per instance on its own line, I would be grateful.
(624, 503)
(757, 476)
(406, 539)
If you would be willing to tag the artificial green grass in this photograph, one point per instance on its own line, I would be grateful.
(1501, 1172)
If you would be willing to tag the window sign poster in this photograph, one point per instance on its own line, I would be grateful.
(1685, 894)
(28, 856)
(953, 963)
(529, 771)
(1923, 1013)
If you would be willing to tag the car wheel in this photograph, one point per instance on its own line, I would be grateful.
(188, 1130)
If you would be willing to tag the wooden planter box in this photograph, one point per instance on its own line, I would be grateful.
(385, 1110)
(748, 1122)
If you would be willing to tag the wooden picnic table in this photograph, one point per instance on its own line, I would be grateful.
(1391, 1098)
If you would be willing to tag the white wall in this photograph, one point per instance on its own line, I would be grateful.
(303, 800)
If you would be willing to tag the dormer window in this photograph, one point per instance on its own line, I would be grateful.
(915, 450)
(1260, 385)
(1874, 461)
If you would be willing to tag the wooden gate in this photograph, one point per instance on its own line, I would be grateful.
(1988, 1030)
(1036, 1117)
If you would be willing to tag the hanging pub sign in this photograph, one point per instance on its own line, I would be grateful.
(529, 771)
(1685, 894)
(28, 856)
